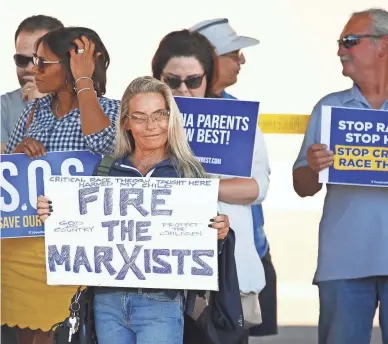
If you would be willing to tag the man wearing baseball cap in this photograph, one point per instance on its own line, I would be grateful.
(228, 47)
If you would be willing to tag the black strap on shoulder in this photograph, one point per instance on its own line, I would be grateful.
(105, 165)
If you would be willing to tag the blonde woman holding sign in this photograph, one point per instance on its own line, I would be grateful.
(150, 142)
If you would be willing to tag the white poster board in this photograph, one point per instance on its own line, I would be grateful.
(132, 232)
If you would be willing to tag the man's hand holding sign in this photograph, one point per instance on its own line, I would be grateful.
(319, 157)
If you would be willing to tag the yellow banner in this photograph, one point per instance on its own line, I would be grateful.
(283, 124)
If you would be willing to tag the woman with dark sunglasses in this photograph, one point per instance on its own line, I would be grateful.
(70, 65)
(186, 61)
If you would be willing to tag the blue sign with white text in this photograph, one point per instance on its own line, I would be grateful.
(221, 133)
(22, 183)
(359, 140)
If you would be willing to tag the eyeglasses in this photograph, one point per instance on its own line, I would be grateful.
(192, 82)
(158, 116)
(350, 41)
(41, 63)
(22, 61)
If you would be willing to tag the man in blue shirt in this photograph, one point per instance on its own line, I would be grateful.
(14, 102)
(352, 273)
(228, 47)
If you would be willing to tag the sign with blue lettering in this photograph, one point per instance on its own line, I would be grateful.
(359, 141)
(22, 183)
(221, 133)
(132, 232)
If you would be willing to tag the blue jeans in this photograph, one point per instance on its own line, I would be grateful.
(347, 309)
(138, 317)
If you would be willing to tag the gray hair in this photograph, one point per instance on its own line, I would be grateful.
(379, 20)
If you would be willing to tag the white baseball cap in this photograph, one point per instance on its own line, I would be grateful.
(222, 36)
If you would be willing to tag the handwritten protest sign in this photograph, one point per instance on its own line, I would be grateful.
(132, 232)
(221, 133)
(22, 183)
(359, 140)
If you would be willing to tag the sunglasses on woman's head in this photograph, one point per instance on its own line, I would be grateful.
(350, 41)
(191, 82)
(22, 61)
(41, 63)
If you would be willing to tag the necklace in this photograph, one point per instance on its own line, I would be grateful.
(56, 109)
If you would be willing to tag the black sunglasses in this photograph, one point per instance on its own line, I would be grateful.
(22, 61)
(350, 41)
(191, 82)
